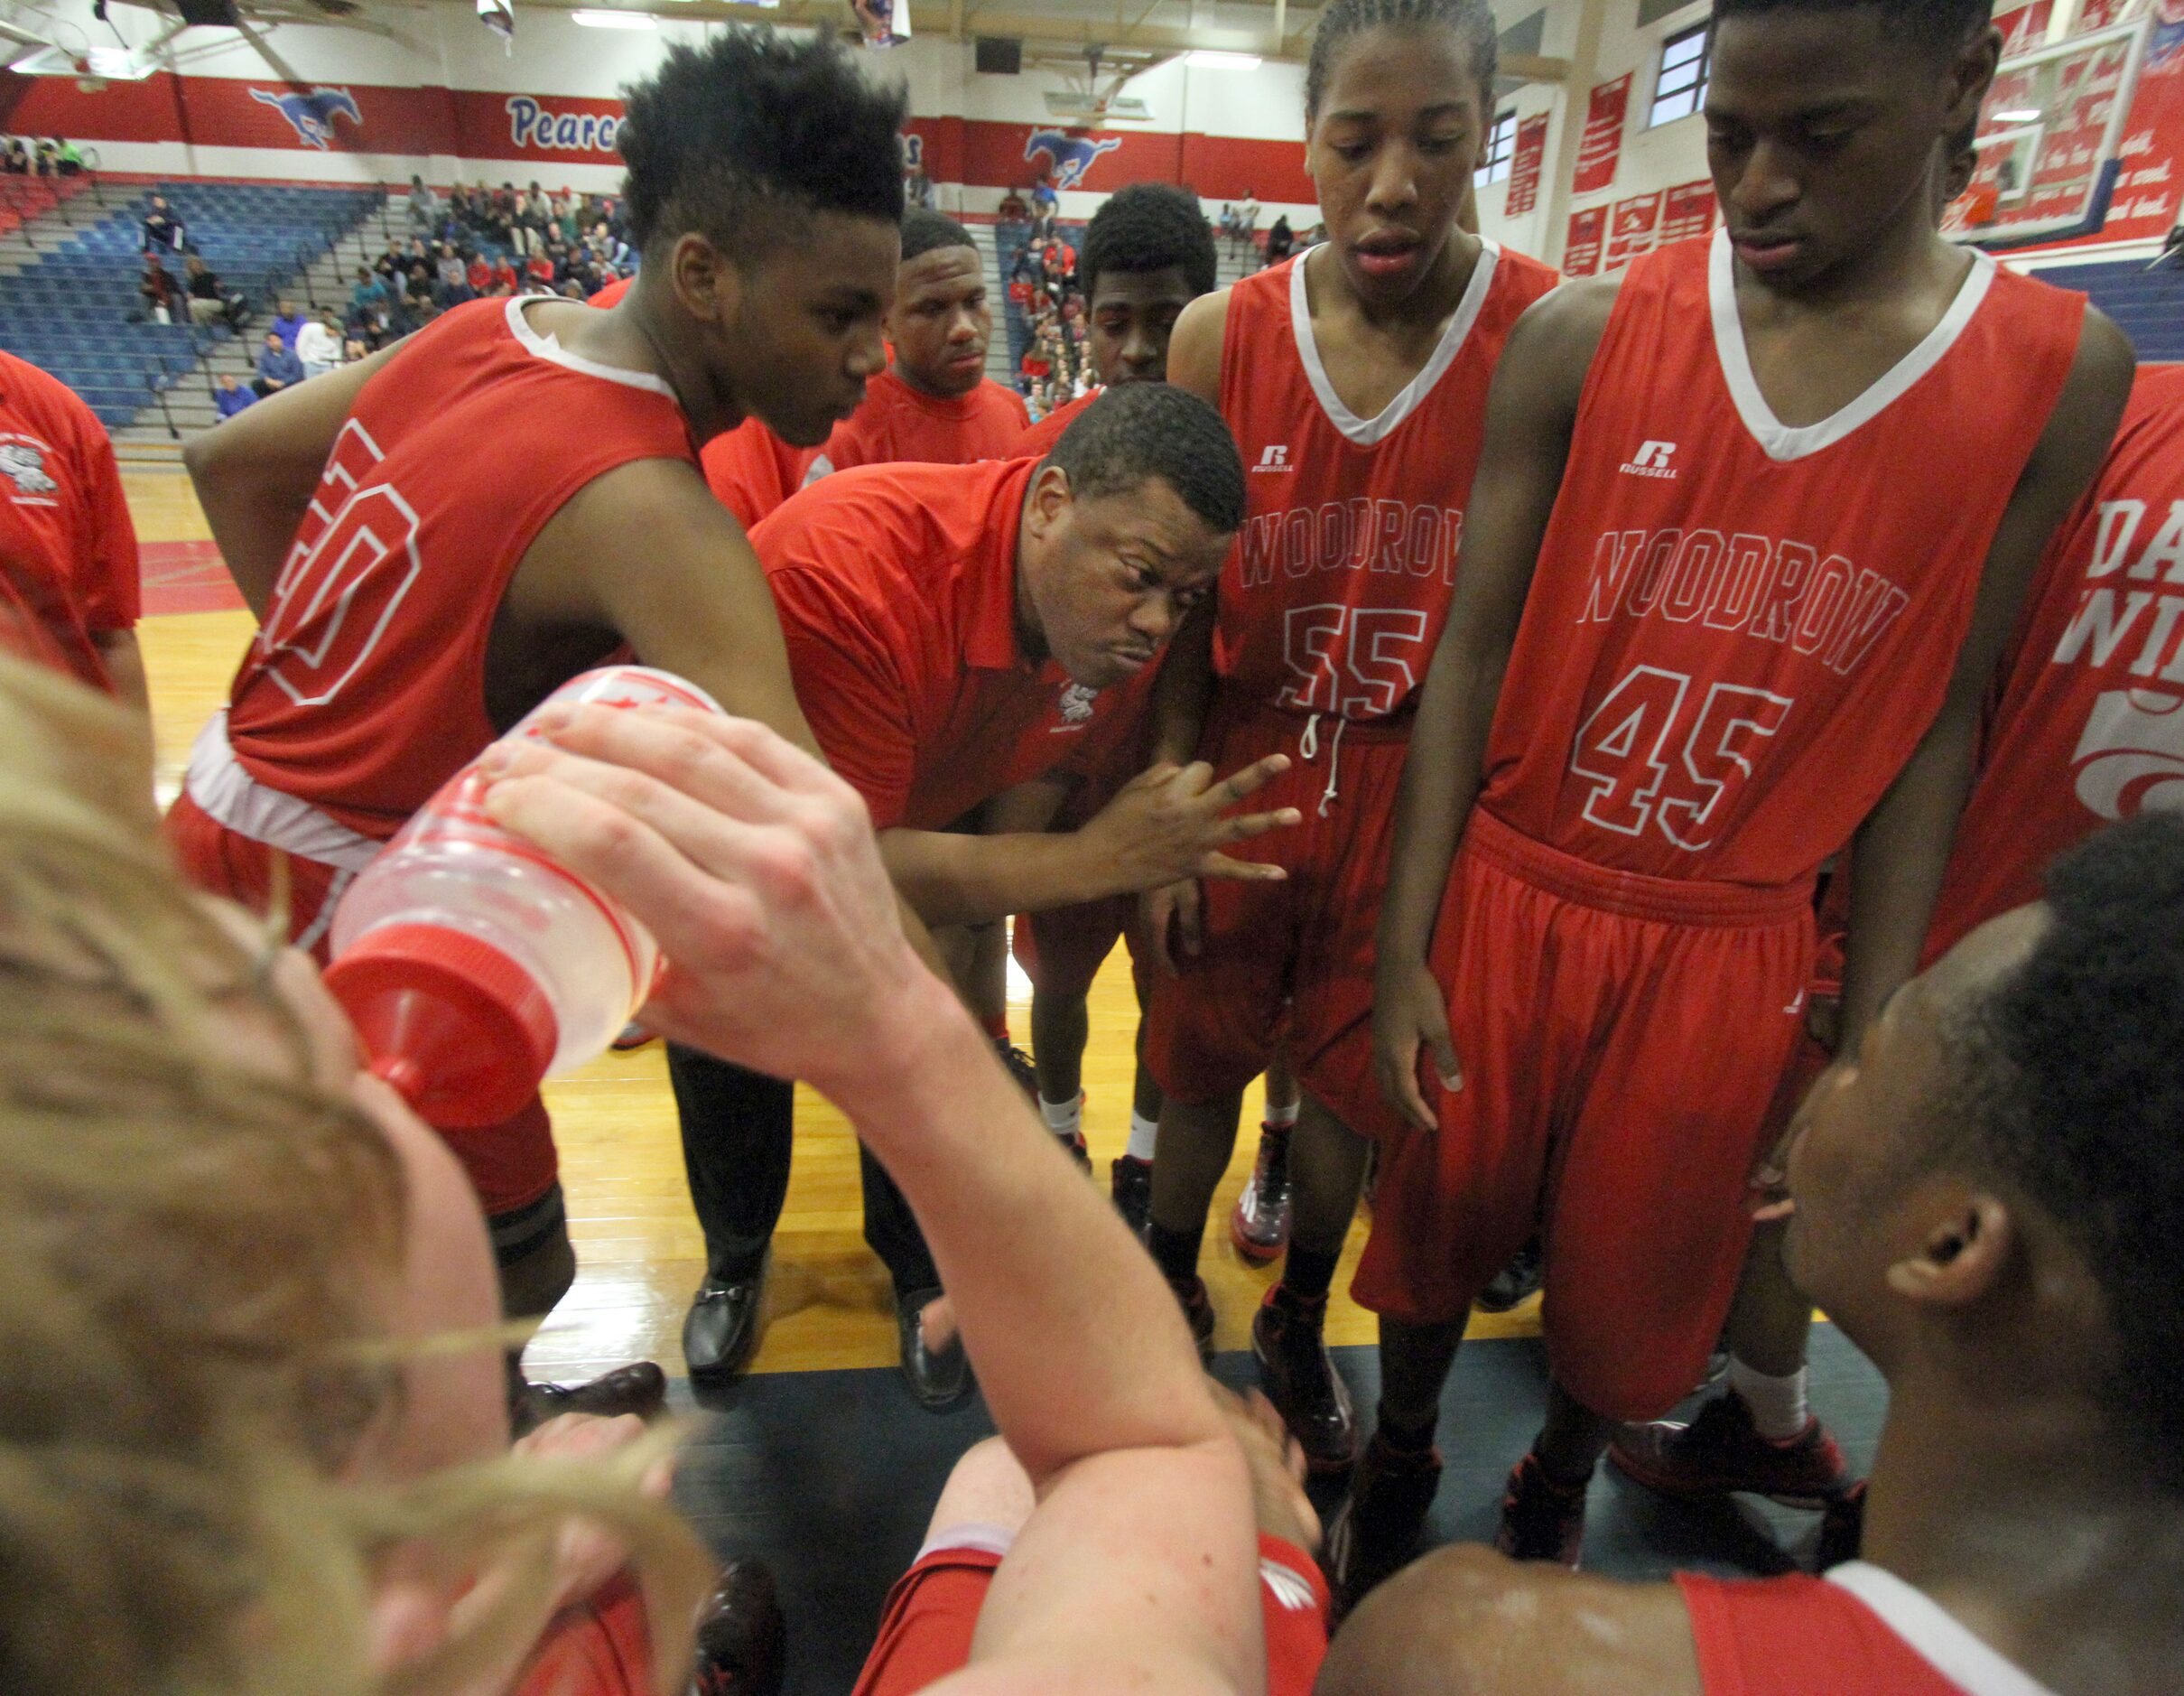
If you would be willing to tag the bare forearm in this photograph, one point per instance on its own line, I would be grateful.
(1183, 691)
(1441, 777)
(952, 878)
(1028, 1254)
(1900, 854)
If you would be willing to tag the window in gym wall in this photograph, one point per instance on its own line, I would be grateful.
(1500, 144)
(1681, 89)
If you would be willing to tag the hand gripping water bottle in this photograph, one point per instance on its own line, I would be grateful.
(471, 965)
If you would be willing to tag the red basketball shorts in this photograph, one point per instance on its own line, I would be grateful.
(1296, 955)
(925, 1635)
(1622, 1039)
(511, 1164)
(1062, 951)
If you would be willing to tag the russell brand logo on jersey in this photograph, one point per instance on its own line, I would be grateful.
(1651, 460)
(1274, 459)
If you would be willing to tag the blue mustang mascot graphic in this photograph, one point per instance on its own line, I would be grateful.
(1071, 157)
(313, 114)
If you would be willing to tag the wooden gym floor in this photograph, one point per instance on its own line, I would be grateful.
(830, 1304)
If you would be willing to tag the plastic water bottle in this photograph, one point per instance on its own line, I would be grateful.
(472, 965)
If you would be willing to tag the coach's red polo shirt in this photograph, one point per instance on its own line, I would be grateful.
(67, 550)
(898, 424)
(896, 588)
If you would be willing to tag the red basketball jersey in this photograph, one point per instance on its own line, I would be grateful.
(365, 691)
(1739, 631)
(1336, 593)
(2088, 724)
(1861, 1629)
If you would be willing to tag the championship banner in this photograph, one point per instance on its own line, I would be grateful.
(1633, 229)
(1602, 149)
(1688, 211)
(1581, 253)
(1524, 167)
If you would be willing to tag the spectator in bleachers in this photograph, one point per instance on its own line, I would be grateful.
(538, 269)
(424, 207)
(163, 231)
(71, 158)
(368, 297)
(1013, 210)
(1247, 220)
(1281, 241)
(229, 396)
(287, 322)
(17, 160)
(479, 276)
(505, 280)
(278, 367)
(918, 187)
(455, 286)
(209, 302)
(49, 156)
(163, 296)
(319, 343)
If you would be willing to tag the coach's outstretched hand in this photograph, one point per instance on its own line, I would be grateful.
(753, 864)
(1171, 822)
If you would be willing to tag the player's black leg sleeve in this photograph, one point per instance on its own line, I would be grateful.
(738, 1131)
(892, 1229)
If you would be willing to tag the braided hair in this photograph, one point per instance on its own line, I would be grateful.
(1344, 20)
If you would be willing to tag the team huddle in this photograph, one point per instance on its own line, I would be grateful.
(1595, 747)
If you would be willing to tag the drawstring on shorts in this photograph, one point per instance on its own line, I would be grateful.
(1308, 748)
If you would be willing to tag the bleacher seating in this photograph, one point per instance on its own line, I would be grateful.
(1010, 241)
(76, 313)
(2148, 306)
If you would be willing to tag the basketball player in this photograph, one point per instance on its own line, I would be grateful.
(69, 588)
(435, 538)
(935, 404)
(2085, 729)
(1355, 378)
(954, 631)
(1138, 1567)
(1988, 1200)
(1147, 254)
(1726, 632)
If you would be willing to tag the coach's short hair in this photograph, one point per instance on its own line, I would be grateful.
(2069, 1079)
(1940, 26)
(926, 230)
(743, 138)
(1149, 226)
(1138, 430)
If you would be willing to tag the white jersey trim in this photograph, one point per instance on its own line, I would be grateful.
(1779, 440)
(1370, 432)
(550, 347)
(230, 796)
(1934, 1633)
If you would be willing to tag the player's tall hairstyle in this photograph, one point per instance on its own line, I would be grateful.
(1344, 21)
(742, 138)
(2071, 1081)
(192, 1242)
(1936, 25)
(1136, 432)
(1149, 226)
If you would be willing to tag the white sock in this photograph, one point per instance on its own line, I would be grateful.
(1144, 1136)
(1065, 1120)
(1283, 1118)
(1777, 1404)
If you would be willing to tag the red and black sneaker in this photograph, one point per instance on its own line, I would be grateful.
(1541, 1519)
(1259, 1223)
(1289, 1341)
(1721, 1452)
(1376, 1530)
(1842, 1529)
(1133, 1191)
(740, 1636)
(1197, 1307)
(1017, 1064)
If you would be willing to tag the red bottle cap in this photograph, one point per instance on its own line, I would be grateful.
(451, 1023)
